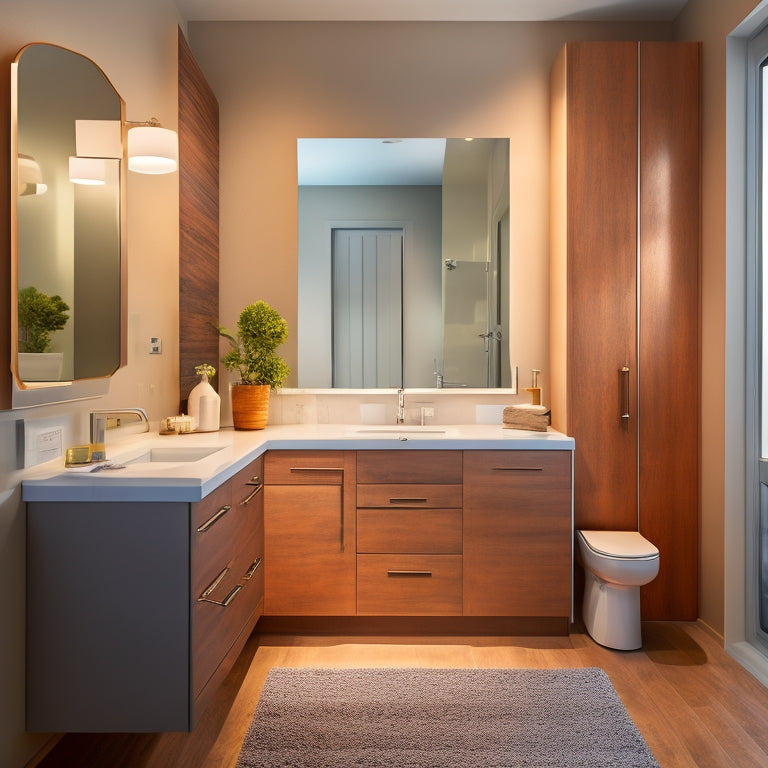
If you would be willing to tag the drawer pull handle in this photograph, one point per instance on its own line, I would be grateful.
(226, 601)
(214, 518)
(408, 501)
(215, 583)
(517, 469)
(409, 574)
(205, 597)
(254, 492)
(317, 469)
(625, 394)
(254, 567)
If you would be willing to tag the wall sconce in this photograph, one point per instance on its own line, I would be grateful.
(30, 177)
(151, 148)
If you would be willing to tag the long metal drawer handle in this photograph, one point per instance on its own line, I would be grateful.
(214, 518)
(625, 393)
(253, 568)
(249, 497)
(317, 469)
(227, 600)
(408, 501)
(215, 583)
(517, 469)
(416, 574)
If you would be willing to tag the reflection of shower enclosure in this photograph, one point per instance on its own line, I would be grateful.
(367, 308)
(475, 319)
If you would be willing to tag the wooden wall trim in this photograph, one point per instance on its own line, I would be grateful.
(198, 222)
(5, 229)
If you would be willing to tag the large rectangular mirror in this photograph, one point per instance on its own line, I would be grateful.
(66, 221)
(403, 263)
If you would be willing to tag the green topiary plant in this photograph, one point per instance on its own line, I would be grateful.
(260, 330)
(39, 315)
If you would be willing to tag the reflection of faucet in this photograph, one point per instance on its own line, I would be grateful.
(400, 406)
(437, 374)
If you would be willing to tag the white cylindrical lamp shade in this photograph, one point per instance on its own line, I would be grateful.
(152, 150)
(87, 170)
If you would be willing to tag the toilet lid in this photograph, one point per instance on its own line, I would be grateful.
(623, 544)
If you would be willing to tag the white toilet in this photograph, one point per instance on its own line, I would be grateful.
(616, 564)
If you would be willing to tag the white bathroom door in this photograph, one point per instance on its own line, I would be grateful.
(367, 308)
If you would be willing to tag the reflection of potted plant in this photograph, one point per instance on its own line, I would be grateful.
(260, 330)
(39, 315)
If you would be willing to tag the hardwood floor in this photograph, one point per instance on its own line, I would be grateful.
(694, 705)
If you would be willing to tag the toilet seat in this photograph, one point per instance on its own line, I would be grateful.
(619, 545)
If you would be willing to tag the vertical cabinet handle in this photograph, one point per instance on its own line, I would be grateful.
(330, 469)
(624, 393)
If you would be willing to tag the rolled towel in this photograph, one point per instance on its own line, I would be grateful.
(532, 417)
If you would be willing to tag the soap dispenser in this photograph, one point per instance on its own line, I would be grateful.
(204, 403)
(535, 389)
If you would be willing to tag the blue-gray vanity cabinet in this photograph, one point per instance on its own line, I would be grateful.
(136, 611)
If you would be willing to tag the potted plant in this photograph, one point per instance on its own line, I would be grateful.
(39, 315)
(260, 330)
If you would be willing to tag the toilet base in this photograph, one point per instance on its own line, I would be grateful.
(611, 613)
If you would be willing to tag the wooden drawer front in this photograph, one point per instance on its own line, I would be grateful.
(414, 496)
(304, 468)
(216, 526)
(409, 467)
(409, 531)
(223, 607)
(409, 585)
(524, 469)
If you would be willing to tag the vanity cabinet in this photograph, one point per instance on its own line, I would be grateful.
(409, 533)
(136, 611)
(309, 529)
(518, 535)
(625, 224)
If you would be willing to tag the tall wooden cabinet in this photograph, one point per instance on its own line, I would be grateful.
(625, 222)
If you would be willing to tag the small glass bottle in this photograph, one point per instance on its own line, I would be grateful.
(204, 403)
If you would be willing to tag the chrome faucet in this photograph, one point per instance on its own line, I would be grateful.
(106, 419)
(401, 406)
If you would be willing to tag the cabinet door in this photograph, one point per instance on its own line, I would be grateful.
(669, 324)
(518, 535)
(309, 533)
(594, 273)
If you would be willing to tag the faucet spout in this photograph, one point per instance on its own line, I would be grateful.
(401, 406)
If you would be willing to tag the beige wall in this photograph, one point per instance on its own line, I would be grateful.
(712, 21)
(135, 44)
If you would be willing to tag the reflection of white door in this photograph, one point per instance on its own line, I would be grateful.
(367, 308)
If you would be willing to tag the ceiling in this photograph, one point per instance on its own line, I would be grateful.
(429, 10)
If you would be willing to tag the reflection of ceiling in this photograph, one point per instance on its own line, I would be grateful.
(430, 10)
(341, 162)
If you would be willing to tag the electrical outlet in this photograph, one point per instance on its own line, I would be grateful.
(155, 345)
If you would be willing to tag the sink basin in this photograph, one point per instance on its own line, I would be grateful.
(414, 430)
(174, 454)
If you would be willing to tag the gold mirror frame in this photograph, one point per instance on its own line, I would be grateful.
(26, 393)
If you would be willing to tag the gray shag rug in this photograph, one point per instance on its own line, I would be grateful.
(442, 718)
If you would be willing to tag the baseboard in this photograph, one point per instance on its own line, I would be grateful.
(751, 659)
(713, 633)
(414, 625)
(43, 753)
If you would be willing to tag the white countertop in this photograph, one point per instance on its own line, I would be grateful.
(189, 481)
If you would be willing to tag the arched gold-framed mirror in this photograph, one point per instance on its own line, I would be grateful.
(68, 172)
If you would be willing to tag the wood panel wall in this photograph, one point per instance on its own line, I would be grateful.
(198, 223)
(5, 231)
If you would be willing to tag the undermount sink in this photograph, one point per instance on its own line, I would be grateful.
(174, 454)
(412, 429)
